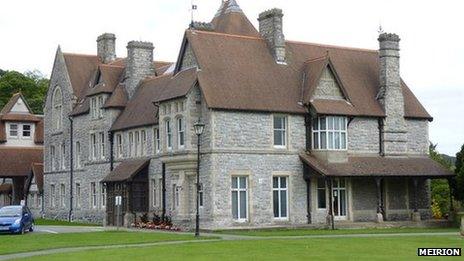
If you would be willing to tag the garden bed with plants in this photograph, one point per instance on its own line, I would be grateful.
(156, 222)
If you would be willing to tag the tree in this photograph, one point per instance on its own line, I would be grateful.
(33, 85)
(439, 187)
(2, 72)
(458, 188)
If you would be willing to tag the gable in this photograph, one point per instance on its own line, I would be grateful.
(328, 87)
(188, 59)
(20, 106)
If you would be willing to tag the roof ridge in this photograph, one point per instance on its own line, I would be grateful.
(224, 34)
(80, 54)
(333, 46)
(317, 59)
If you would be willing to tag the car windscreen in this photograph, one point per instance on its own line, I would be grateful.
(10, 212)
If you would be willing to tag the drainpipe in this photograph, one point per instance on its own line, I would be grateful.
(381, 127)
(308, 200)
(163, 181)
(111, 139)
(71, 169)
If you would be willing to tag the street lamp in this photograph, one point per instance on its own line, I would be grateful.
(199, 127)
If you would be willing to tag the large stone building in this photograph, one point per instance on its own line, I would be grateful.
(295, 132)
(21, 155)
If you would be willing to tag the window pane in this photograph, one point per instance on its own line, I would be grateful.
(283, 182)
(234, 182)
(323, 123)
(337, 140)
(316, 140)
(331, 140)
(279, 122)
(321, 203)
(342, 203)
(343, 123)
(235, 204)
(276, 203)
(242, 182)
(320, 183)
(283, 203)
(343, 141)
(243, 204)
(278, 138)
(323, 140)
(315, 124)
(330, 123)
(275, 182)
(336, 123)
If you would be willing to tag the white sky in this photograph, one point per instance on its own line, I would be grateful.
(432, 44)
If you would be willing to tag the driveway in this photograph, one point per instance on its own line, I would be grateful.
(67, 229)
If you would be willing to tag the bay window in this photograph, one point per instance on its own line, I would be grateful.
(168, 135)
(329, 133)
(119, 146)
(157, 140)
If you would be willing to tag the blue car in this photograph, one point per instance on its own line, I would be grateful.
(16, 219)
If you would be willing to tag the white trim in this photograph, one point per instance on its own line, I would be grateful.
(284, 130)
(327, 131)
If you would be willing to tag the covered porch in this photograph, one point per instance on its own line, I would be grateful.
(130, 181)
(370, 189)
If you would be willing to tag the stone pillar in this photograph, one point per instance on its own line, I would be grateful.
(139, 64)
(106, 47)
(129, 218)
(271, 29)
(415, 214)
(379, 218)
(394, 139)
(330, 216)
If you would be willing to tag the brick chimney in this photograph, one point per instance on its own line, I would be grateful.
(391, 96)
(139, 64)
(270, 28)
(106, 47)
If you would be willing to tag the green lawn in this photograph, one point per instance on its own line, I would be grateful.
(51, 222)
(312, 231)
(376, 248)
(23, 243)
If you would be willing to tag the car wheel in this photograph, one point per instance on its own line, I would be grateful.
(31, 229)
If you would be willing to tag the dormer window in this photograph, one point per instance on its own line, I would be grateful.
(96, 107)
(329, 133)
(14, 130)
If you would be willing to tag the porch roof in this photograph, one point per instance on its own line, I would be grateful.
(5, 188)
(126, 170)
(377, 166)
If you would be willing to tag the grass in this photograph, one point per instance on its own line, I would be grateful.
(312, 231)
(30, 242)
(51, 222)
(373, 248)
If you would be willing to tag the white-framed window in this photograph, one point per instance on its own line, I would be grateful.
(131, 144)
(78, 195)
(143, 147)
(153, 193)
(157, 139)
(280, 197)
(100, 106)
(321, 194)
(52, 195)
(52, 158)
(137, 143)
(57, 113)
(93, 146)
(62, 195)
(102, 143)
(175, 196)
(280, 131)
(102, 195)
(13, 130)
(63, 156)
(93, 195)
(119, 146)
(180, 133)
(77, 156)
(93, 107)
(168, 135)
(329, 133)
(240, 198)
(27, 131)
(160, 191)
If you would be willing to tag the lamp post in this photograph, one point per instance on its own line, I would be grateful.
(199, 127)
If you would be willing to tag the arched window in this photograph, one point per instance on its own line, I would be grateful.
(57, 110)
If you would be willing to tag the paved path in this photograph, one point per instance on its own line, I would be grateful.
(67, 229)
(222, 237)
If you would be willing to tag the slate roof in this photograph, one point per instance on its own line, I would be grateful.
(126, 170)
(17, 161)
(377, 166)
(230, 19)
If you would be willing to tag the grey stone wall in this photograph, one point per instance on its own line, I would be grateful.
(418, 136)
(363, 135)
(188, 60)
(139, 64)
(271, 29)
(328, 87)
